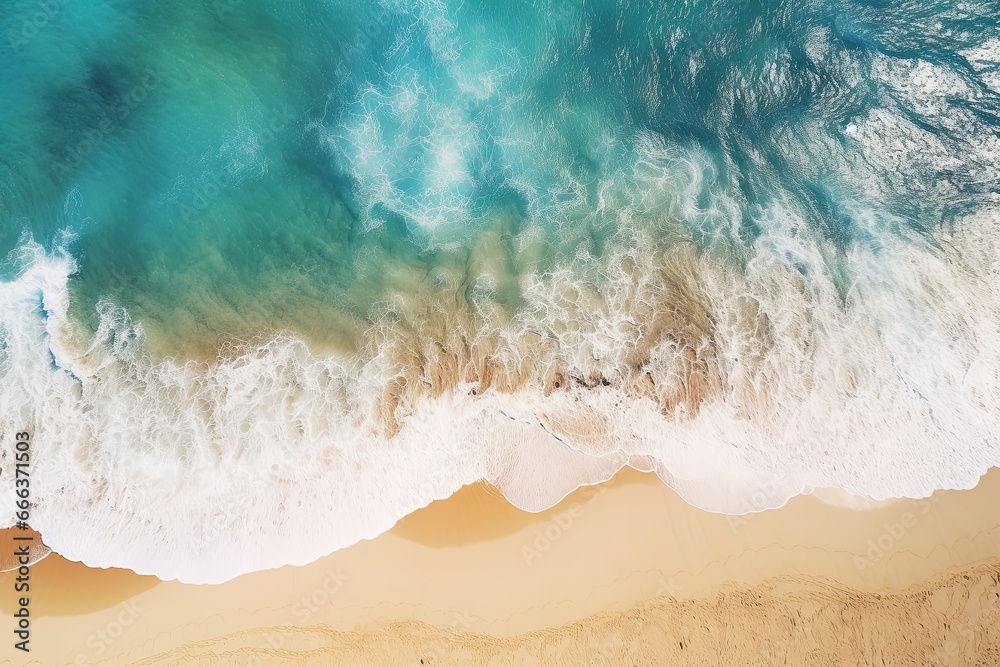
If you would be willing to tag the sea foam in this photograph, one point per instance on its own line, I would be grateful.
(739, 387)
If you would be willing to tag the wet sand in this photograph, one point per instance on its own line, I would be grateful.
(620, 573)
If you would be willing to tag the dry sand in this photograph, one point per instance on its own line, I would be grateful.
(620, 574)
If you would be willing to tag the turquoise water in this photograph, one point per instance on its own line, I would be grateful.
(274, 155)
(772, 225)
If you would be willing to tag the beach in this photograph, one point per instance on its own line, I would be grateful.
(619, 573)
(449, 333)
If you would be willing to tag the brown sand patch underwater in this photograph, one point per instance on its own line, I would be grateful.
(475, 320)
(447, 335)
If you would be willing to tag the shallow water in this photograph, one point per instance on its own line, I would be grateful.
(403, 246)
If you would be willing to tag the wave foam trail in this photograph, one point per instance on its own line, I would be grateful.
(202, 472)
(739, 386)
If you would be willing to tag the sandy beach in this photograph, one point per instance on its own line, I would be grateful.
(620, 573)
(504, 334)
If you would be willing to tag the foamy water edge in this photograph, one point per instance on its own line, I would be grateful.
(279, 456)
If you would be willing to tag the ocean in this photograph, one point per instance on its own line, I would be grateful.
(277, 274)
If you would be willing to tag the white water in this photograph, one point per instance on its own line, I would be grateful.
(202, 473)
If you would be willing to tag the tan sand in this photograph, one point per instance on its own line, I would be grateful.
(21, 547)
(620, 574)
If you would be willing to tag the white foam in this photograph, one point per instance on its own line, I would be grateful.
(408, 152)
(900, 154)
(201, 472)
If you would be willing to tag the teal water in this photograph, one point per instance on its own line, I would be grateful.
(747, 245)
(272, 155)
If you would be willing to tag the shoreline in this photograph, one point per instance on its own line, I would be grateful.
(479, 573)
(283, 429)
